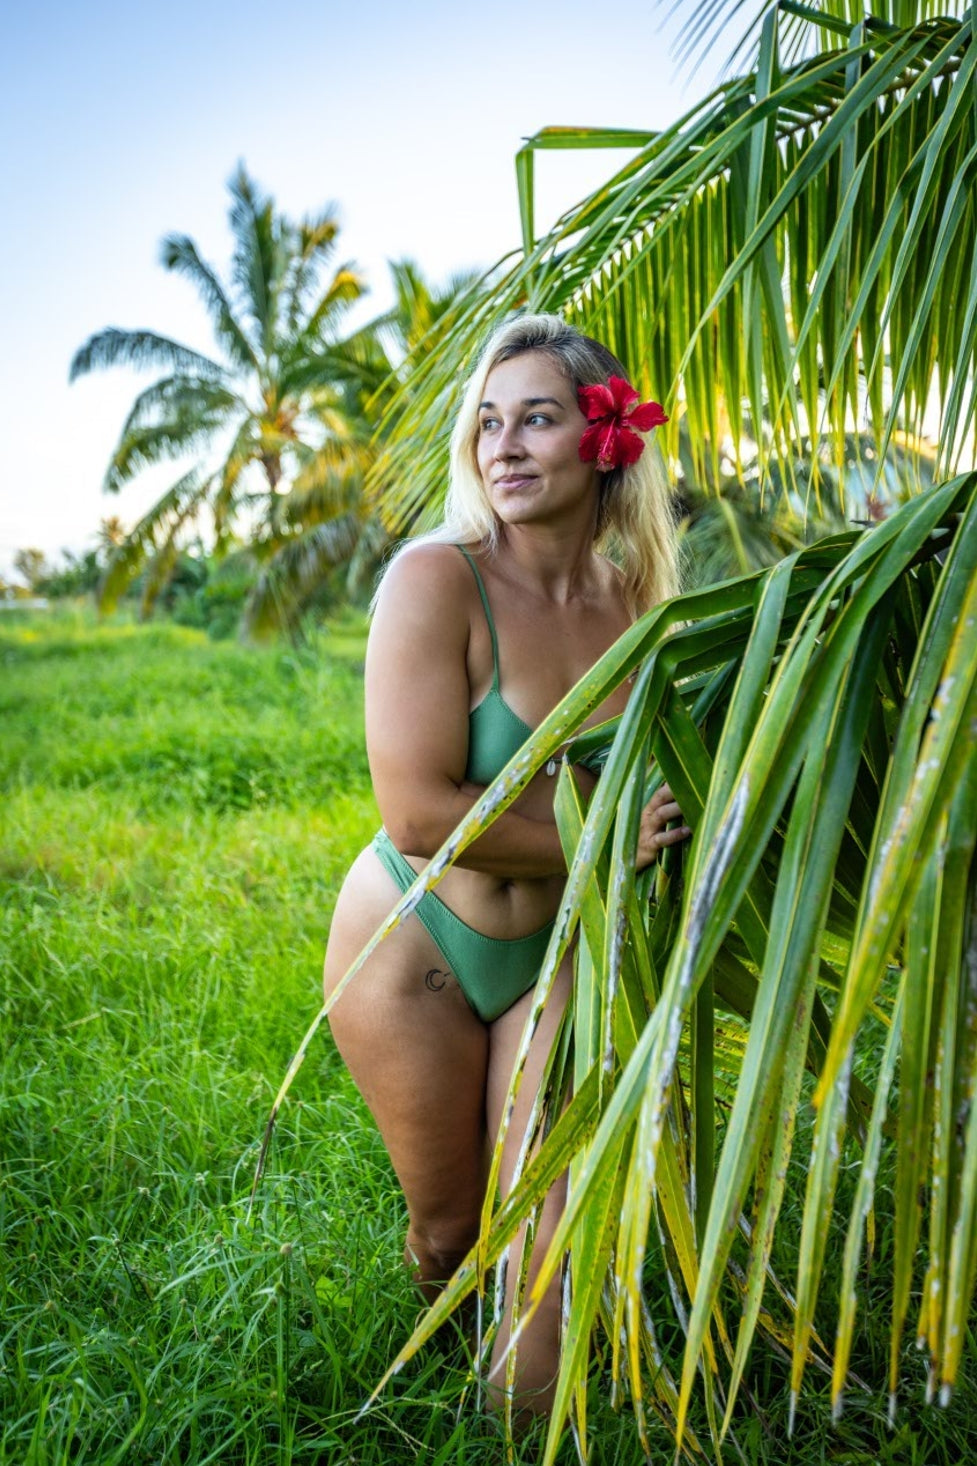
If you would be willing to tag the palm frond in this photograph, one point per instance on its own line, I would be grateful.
(344, 289)
(154, 538)
(793, 248)
(296, 572)
(147, 446)
(329, 482)
(179, 253)
(258, 261)
(230, 480)
(139, 349)
(804, 24)
(315, 242)
(181, 432)
(177, 399)
(420, 310)
(357, 363)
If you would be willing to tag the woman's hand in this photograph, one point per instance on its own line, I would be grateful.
(653, 831)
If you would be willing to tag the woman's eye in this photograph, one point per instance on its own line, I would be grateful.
(538, 417)
(487, 423)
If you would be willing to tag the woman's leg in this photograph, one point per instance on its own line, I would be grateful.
(419, 1056)
(538, 1349)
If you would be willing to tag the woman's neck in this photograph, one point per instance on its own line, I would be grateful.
(558, 564)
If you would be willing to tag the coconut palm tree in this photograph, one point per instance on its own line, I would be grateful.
(325, 521)
(792, 1004)
(273, 422)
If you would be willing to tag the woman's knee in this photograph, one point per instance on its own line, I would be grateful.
(437, 1246)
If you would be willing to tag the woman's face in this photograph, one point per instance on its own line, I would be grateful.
(528, 448)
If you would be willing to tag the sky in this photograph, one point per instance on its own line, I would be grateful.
(121, 123)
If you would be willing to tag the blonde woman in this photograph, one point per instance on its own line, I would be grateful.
(479, 630)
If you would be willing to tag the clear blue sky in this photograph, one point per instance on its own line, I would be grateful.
(120, 123)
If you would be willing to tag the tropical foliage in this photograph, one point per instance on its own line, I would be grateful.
(275, 426)
(794, 263)
(750, 517)
(817, 722)
(372, 370)
(791, 262)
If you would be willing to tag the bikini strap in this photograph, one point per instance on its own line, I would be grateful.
(488, 616)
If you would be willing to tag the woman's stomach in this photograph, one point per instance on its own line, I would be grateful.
(505, 907)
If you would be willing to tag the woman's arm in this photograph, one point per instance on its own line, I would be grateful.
(417, 707)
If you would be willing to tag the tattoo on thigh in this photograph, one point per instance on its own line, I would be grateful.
(431, 979)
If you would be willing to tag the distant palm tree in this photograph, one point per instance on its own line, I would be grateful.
(275, 422)
(420, 324)
(325, 520)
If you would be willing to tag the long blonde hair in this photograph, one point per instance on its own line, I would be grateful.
(635, 525)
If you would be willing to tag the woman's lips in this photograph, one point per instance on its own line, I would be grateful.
(515, 480)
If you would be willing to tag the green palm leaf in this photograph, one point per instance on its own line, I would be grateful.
(296, 571)
(113, 347)
(179, 253)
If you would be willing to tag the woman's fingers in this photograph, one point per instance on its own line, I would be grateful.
(654, 835)
(672, 837)
(663, 807)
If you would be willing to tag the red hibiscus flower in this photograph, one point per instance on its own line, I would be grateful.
(614, 412)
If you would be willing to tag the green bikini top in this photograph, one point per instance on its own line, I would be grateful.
(495, 732)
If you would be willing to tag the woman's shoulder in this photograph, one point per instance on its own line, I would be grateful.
(434, 569)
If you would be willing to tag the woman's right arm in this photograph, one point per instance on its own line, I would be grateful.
(417, 708)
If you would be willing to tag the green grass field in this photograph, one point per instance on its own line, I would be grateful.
(177, 818)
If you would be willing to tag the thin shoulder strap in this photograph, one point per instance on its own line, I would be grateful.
(488, 616)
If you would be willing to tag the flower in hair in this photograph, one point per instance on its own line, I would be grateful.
(613, 411)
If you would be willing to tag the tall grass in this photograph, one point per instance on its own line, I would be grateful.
(177, 816)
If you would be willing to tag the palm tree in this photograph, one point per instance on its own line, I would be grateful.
(276, 418)
(794, 1004)
(326, 521)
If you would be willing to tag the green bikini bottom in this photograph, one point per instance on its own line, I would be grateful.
(492, 972)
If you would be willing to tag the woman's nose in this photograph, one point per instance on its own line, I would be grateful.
(508, 443)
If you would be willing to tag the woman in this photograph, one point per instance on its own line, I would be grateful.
(479, 631)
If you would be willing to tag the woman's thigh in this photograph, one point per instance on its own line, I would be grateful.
(537, 1358)
(505, 1037)
(415, 1049)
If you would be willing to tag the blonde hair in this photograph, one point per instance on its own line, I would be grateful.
(635, 525)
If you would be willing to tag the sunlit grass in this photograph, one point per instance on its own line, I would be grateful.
(177, 819)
